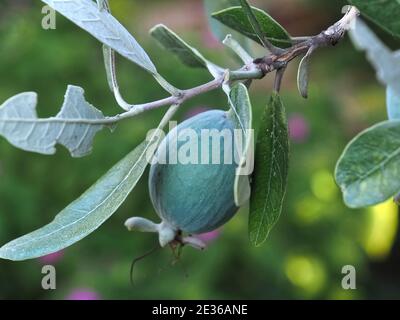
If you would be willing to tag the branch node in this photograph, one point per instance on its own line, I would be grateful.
(278, 59)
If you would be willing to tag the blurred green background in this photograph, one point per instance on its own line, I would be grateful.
(316, 235)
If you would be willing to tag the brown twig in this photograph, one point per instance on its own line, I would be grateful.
(258, 69)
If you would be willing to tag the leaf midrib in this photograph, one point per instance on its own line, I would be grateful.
(269, 175)
(90, 212)
(376, 168)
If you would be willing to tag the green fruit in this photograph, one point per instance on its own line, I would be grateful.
(198, 196)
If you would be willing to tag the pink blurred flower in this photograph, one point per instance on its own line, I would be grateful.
(299, 129)
(83, 294)
(210, 41)
(195, 111)
(209, 237)
(52, 258)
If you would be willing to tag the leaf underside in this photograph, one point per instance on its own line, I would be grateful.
(74, 126)
(236, 18)
(270, 171)
(84, 215)
(384, 60)
(368, 170)
(92, 209)
(241, 113)
(104, 27)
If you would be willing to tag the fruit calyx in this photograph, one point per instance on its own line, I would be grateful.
(167, 234)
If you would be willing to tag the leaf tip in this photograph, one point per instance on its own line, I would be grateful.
(4, 253)
(257, 242)
(304, 94)
(156, 27)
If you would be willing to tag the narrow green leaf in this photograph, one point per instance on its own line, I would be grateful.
(254, 22)
(92, 18)
(173, 43)
(368, 172)
(74, 126)
(385, 13)
(242, 115)
(236, 18)
(186, 54)
(91, 210)
(270, 171)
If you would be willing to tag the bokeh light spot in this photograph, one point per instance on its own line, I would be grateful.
(323, 185)
(381, 230)
(308, 210)
(307, 273)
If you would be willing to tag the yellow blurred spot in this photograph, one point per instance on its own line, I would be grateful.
(120, 8)
(307, 273)
(323, 185)
(371, 98)
(381, 230)
(308, 210)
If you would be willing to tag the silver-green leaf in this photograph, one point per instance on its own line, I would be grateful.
(74, 126)
(369, 169)
(393, 103)
(384, 60)
(92, 209)
(241, 113)
(104, 27)
(271, 167)
(303, 75)
(109, 64)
